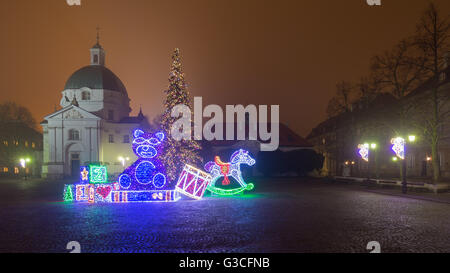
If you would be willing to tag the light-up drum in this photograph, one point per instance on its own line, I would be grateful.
(193, 182)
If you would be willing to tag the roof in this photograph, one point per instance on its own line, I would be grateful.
(97, 45)
(137, 119)
(287, 137)
(71, 106)
(132, 119)
(377, 105)
(95, 77)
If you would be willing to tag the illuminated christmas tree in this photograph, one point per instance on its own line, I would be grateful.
(177, 153)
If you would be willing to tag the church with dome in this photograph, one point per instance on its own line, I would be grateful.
(94, 125)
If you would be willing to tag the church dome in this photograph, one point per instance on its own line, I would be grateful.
(95, 77)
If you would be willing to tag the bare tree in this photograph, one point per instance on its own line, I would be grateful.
(368, 88)
(12, 112)
(432, 38)
(397, 71)
(343, 99)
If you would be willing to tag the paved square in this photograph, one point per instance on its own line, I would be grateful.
(281, 215)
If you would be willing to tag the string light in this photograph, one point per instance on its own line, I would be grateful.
(68, 194)
(363, 150)
(147, 173)
(145, 196)
(84, 174)
(219, 169)
(193, 182)
(98, 174)
(398, 146)
(82, 192)
(145, 179)
(177, 153)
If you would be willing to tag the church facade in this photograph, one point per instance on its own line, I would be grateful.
(94, 125)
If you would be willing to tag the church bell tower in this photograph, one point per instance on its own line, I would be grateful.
(97, 52)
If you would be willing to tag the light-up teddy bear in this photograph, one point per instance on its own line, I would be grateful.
(147, 173)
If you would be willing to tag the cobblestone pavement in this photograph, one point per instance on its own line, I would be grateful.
(279, 216)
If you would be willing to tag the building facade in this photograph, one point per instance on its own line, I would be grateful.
(337, 138)
(94, 125)
(20, 142)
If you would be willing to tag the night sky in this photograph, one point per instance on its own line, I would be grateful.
(290, 53)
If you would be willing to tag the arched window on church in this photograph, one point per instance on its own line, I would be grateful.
(74, 134)
(86, 95)
(95, 59)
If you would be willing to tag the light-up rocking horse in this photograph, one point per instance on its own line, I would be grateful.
(219, 169)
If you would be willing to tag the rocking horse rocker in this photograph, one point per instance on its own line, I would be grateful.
(219, 169)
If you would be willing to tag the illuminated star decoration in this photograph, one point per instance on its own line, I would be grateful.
(398, 146)
(84, 174)
(218, 169)
(364, 151)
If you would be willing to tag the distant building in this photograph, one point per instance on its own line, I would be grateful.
(19, 141)
(93, 126)
(288, 141)
(337, 137)
(419, 163)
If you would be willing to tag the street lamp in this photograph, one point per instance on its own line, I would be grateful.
(123, 160)
(398, 146)
(24, 161)
(23, 164)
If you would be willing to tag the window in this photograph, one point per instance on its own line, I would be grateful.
(26, 143)
(33, 145)
(16, 170)
(95, 59)
(126, 139)
(74, 134)
(5, 169)
(5, 142)
(110, 114)
(111, 139)
(86, 95)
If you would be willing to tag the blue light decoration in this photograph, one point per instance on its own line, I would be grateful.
(84, 174)
(145, 180)
(219, 169)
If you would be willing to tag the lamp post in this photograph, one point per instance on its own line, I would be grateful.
(123, 160)
(364, 152)
(399, 147)
(23, 164)
(373, 146)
